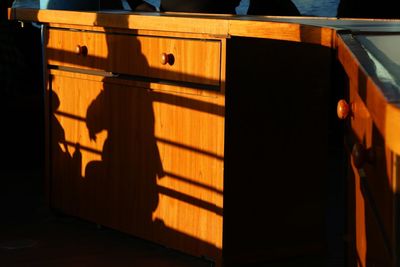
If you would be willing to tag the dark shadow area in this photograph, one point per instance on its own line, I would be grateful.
(66, 241)
(21, 106)
(130, 161)
(279, 151)
(65, 164)
(367, 9)
(336, 179)
(256, 7)
(3, 9)
(200, 6)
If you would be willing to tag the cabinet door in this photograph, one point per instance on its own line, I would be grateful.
(189, 130)
(72, 149)
(371, 189)
(105, 157)
(146, 162)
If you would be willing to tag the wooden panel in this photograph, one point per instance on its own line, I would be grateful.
(71, 147)
(283, 31)
(277, 151)
(371, 244)
(146, 162)
(189, 35)
(196, 61)
(190, 135)
(372, 191)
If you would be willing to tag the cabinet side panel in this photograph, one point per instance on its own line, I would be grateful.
(373, 194)
(277, 150)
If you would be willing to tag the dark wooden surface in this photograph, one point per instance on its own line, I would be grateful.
(282, 165)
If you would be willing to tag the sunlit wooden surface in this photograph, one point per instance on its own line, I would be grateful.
(191, 60)
(216, 25)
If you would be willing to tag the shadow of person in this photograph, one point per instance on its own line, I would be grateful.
(58, 140)
(130, 161)
(119, 190)
(123, 184)
(66, 166)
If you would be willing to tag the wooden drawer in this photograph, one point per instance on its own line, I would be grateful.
(190, 60)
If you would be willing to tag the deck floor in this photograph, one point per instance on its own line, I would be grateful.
(60, 241)
(65, 241)
(31, 236)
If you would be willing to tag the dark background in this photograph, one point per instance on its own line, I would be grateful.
(21, 109)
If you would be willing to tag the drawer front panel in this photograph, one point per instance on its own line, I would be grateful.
(176, 59)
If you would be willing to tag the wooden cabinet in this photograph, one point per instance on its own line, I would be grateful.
(202, 143)
(133, 147)
(217, 135)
